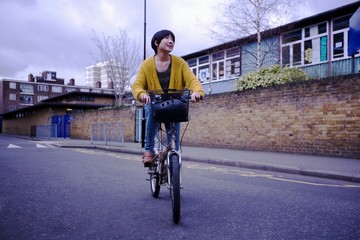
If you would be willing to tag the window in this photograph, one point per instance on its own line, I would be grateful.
(192, 62)
(26, 88)
(338, 46)
(340, 27)
(341, 23)
(56, 89)
(233, 67)
(232, 62)
(70, 90)
(204, 69)
(305, 46)
(286, 56)
(26, 99)
(291, 36)
(12, 96)
(40, 98)
(204, 73)
(218, 63)
(84, 90)
(43, 88)
(12, 85)
(204, 59)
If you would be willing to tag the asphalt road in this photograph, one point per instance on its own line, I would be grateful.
(53, 193)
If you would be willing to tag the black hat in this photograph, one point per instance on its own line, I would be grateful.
(160, 35)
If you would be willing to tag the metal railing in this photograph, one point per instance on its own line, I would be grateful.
(46, 131)
(107, 132)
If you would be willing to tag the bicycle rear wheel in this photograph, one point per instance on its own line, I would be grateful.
(154, 182)
(175, 187)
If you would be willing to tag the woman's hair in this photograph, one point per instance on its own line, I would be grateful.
(160, 35)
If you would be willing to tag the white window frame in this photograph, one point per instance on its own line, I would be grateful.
(43, 88)
(12, 96)
(40, 98)
(56, 89)
(12, 85)
(313, 37)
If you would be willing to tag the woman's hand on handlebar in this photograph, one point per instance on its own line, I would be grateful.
(145, 98)
(195, 96)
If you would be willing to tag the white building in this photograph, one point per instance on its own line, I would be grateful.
(95, 76)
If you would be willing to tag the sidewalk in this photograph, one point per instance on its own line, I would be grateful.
(316, 166)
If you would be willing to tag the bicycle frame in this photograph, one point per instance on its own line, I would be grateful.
(167, 169)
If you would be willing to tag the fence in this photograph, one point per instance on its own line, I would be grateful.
(46, 131)
(108, 132)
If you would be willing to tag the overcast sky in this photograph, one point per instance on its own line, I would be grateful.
(55, 35)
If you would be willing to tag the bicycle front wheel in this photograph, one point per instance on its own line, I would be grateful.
(154, 182)
(175, 187)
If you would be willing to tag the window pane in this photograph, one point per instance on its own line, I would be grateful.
(12, 96)
(286, 56)
(203, 59)
(323, 49)
(25, 99)
(315, 50)
(218, 56)
(194, 71)
(56, 89)
(308, 52)
(214, 71)
(192, 62)
(291, 36)
(12, 85)
(322, 28)
(338, 45)
(341, 23)
(204, 73)
(233, 52)
(297, 54)
(26, 88)
(221, 70)
(233, 67)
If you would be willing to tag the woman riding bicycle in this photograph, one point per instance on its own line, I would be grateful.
(162, 71)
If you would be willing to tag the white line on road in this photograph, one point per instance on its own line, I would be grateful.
(13, 146)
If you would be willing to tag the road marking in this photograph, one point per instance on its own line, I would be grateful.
(13, 146)
(41, 146)
(268, 176)
(223, 170)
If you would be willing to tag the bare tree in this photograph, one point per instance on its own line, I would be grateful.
(120, 57)
(242, 18)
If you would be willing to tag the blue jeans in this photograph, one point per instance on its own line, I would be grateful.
(151, 129)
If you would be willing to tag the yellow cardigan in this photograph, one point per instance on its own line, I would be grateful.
(181, 77)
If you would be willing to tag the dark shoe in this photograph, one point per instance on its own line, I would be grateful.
(148, 158)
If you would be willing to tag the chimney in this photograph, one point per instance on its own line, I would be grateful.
(111, 85)
(71, 82)
(31, 78)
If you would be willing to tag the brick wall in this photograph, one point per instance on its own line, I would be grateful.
(81, 122)
(22, 126)
(320, 117)
(317, 117)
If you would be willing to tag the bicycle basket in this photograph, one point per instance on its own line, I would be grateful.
(170, 106)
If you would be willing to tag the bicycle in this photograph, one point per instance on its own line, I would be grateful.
(169, 106)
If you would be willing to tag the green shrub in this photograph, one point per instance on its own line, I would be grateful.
(266, 77)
